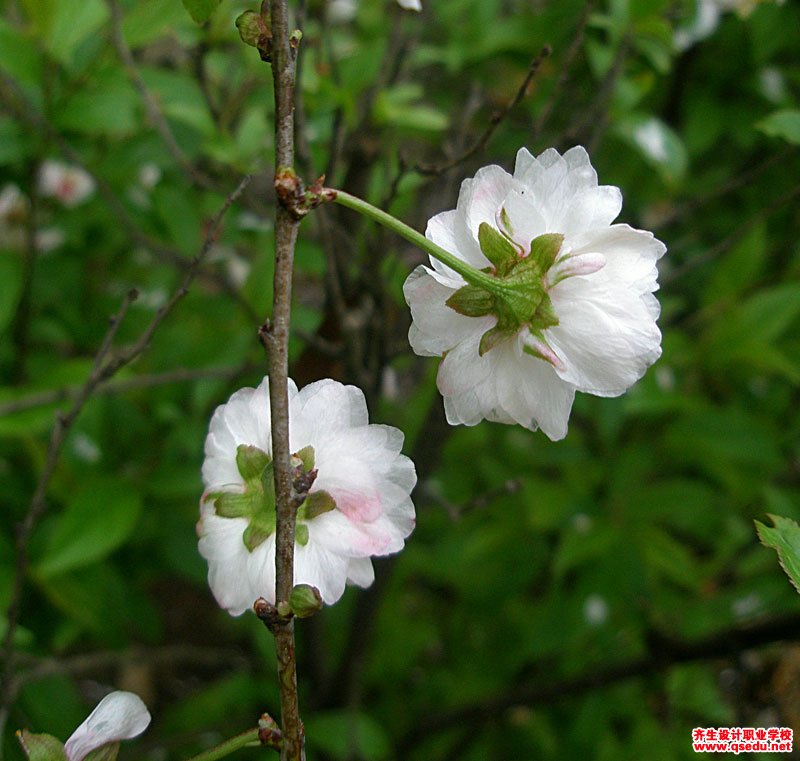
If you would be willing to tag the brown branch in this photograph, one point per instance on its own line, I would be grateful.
(496, 120)
(664, 654)
(275, 337)
(35, 669)
(152, 108)
(105, 365)
(179, 375)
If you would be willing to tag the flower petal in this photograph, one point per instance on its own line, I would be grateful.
(436, 328)
(118, 716)
(606, 336)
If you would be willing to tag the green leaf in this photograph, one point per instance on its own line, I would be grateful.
(784, 124)
(497, 248)
(545, 248)
(200, 10)
(97, 520)
(784, 538)
(343, 734)
(471, 301)
(41, 747)
(10, 286)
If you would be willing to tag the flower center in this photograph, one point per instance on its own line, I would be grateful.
(519, 296)
(256, 502)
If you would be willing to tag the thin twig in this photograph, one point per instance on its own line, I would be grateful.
(104, 367)
(16, 101)
(496, 120)
(154, 113)
(120, 386)
(275, 336)
(564, 73)
(664, 653)
(709, 255)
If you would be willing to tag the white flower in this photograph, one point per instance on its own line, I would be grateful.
(595, 610)
(69, 184)
(571, 306)
(118, 716)
(358, 505)
(410, 5)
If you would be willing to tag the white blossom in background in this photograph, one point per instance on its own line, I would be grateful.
(584, 313)
(344, 11)
(707, 16)
(358, 506)
(118, 716)
(71, 185)
(595, 610)
(410, 5)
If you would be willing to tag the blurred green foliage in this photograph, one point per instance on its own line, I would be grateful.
(533, 562)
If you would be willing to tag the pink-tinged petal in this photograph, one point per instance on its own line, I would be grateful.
(573, 265)
(630, 254)
(606, 334)
(118, 716)
(437, 327)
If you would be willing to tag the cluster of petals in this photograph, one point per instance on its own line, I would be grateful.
(359, 471)
(118, 716)
(599, 287)
(70, 185)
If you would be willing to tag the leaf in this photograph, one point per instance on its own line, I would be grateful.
(784, 124)
(342, 735)
(200, 10)
(784, 538)
(97, 520)
(10, 285)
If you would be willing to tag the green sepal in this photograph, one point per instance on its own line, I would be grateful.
(41, 747)
(316, 503)
(251, 462)
(104, 753)
(497, 249)
(306, 458)
(234, 505)
(305, 600)
(545, 316)
(252, 28)
(268, 483)
(260, 528)
(471, 301)
(544, 250)
(301, 534)
(494, 337)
